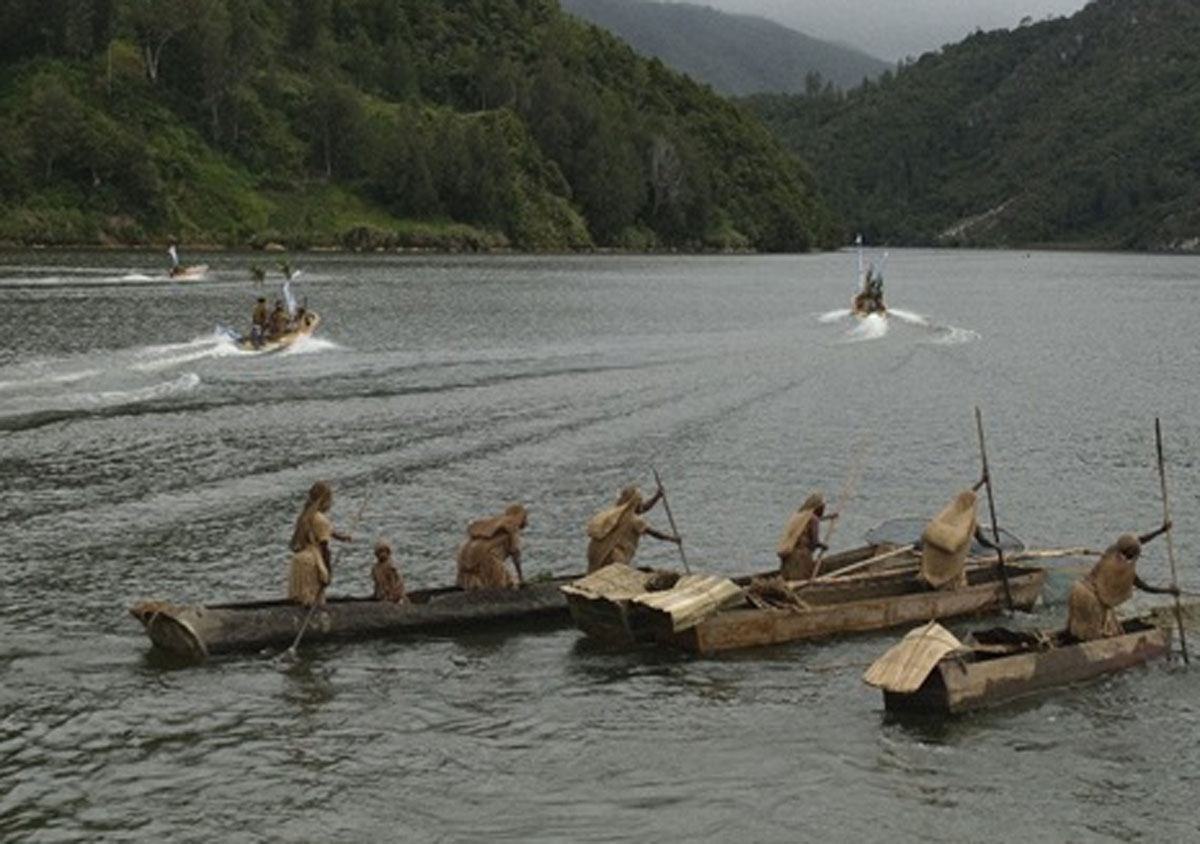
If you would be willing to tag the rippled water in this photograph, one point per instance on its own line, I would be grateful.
(143, 456)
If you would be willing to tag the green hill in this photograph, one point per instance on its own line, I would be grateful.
(736, 54)
(471, 124)
(1081, 131)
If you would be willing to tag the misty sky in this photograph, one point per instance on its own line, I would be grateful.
(895, 29)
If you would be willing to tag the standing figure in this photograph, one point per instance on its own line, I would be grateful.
(946, 541)
(488, 544)
(258, 321)
(1094, 598)
(311, 569)
(801, 537)
(388, 584)
(614, 532)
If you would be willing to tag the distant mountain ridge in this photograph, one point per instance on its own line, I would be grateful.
(1081, 131)
(735, 54)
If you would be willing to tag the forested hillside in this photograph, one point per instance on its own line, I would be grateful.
(736, 54)
(373, 123)
(1081, 131)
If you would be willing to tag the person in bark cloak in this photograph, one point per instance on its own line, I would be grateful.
(614, 532)
(388, 584)
(489, 543)
(946, 541)
(1094, 598)
(310, 569)
(801, 537)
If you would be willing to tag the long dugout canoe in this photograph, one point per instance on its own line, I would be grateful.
(1001, 665)
(199, 631)
(859, 604)
(605, 606)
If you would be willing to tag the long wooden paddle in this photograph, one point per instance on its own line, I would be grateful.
(987, 480)
(1162, 479)
(290, 653)
(671, 519)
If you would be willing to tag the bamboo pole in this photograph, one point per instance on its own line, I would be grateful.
(1162, 479)
(671, 519)
(987, 479)
(849, 485)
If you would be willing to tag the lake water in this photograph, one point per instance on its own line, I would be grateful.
(143, 456)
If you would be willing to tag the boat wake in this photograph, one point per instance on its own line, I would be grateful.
(157, 358)
(834, 316)
(870, 327)
(952, 335)
(308, 345)
(877, 326)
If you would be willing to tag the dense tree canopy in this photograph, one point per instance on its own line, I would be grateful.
(374, 123)
(1083, 131)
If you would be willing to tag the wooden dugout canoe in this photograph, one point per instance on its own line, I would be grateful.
(1000, 665)
(306, 326)
(605, 606)
(199, 631)
(859, 604)
(844, 599)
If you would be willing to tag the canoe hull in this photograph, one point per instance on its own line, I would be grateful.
(197, 631)
(622, 624)
(872, 603)
(963, 683)
(312, 320)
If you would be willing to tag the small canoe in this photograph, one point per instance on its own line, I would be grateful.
(931, 672)
(189, 273)
(199, 631)
(306, 325)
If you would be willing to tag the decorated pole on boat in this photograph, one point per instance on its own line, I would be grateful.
(1162, 480)
(290, 653)
(671, 519)
(987, 480)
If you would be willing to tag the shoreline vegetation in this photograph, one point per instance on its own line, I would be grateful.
(376, 125)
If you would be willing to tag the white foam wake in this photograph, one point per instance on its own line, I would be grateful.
(868, 328)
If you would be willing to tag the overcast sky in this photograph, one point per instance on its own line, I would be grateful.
(895, 29)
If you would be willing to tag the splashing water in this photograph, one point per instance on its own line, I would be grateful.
(834, 316)
(868, 328)
(911, 317)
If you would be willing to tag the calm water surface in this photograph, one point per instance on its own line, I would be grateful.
(142, 456)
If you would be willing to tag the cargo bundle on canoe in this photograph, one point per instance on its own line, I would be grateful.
(198, 631)
(853, 597)
(930, 671)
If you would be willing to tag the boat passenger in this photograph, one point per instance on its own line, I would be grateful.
(801, 537)
(614, 532)
(311, 569)
(488, 544)
(388, 584)
(1094, 598)
(946, 541)
(277, 322)
(258, 321)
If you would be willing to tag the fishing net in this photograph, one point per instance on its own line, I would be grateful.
(907, 531)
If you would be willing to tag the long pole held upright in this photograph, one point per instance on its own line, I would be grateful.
(849, 484)
(987, 480)
(671, 519)
(1162, 479)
